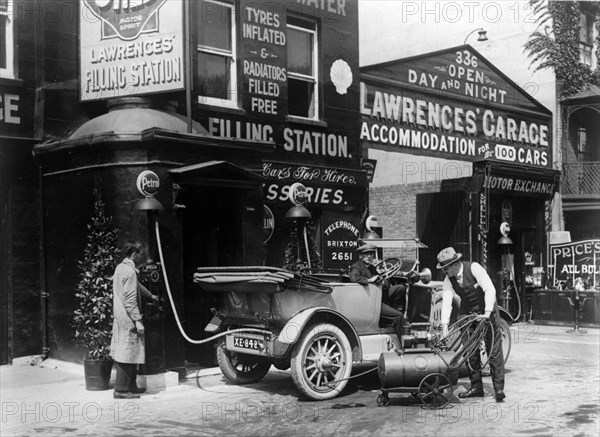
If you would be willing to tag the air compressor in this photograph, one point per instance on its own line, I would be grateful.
(426, 373)
(430, 374)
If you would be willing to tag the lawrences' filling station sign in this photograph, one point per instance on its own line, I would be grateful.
(130, 47)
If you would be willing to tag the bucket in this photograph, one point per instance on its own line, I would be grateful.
(97, 374)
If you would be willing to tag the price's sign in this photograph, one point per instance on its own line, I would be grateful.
(575, 262)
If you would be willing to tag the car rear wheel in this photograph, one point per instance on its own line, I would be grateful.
(241, 368)
(322, 362)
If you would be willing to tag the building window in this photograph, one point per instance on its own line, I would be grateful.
(302, 55)
(217, 73)
(583, 152)
(586, 38)
(7, 45)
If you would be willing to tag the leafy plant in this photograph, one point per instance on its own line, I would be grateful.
(556, 45)
(292, 250)
(92, 319)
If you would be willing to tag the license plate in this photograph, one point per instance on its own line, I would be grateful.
(254, 344)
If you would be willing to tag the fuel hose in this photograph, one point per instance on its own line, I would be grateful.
(179, 325)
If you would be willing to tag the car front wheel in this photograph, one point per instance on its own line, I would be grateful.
(322, 362)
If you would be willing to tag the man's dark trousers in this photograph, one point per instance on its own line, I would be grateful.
(125, 380)
(496, 357)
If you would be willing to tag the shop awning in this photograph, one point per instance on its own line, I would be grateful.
(515, 179)
(215, 173)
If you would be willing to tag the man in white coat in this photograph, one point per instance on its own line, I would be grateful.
(127, 344)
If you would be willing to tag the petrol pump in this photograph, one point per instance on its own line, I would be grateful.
(509, 296)
(151, 276)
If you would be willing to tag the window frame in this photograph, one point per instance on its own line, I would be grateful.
(584, 152)
(587, 53)
(232, 101)
(315, 70)
(9, 72)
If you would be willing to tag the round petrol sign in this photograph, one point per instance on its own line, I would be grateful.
(298, 194)
(268, 223)
(148, 183)
(371, 223)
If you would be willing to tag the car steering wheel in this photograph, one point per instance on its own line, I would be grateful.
(388, 268)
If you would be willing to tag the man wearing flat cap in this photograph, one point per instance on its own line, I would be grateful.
(363, 272)
(473, 285)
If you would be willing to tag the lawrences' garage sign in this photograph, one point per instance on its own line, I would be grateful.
(455, 105)
(130, 47)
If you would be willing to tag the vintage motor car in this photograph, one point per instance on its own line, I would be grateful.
(316, 325)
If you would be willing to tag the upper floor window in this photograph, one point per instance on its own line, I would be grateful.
(7, 45)
(217, 73)
(583, 152)
(586, 38)
(303, 68)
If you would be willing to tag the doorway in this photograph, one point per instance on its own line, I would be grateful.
(212, 236)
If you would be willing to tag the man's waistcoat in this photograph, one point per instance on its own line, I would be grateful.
(472, 297)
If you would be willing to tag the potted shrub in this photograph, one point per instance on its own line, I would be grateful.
(92, 318)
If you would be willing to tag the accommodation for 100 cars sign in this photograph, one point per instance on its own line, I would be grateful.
(130, 47)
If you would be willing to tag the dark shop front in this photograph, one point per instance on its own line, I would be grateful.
(226, 121)
(475, 166)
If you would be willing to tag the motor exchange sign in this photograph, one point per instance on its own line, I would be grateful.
(130, 47)
(456, 106)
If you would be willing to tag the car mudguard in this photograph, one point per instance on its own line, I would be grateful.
(294, 328)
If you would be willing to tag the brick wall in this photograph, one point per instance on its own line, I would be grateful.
(396, 209)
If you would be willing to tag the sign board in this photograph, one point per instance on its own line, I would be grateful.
(268, 223)
(576, 262)
(454, 105)
(336, 188)
(369, 166)
(130, 48)
(264, 64)
(16, 111)
(148, 183)
(340, 240)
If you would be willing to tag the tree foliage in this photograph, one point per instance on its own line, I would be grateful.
(295, 251)
(555, 44)
(92, 319)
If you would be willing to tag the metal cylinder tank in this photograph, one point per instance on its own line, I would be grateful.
(409, 368)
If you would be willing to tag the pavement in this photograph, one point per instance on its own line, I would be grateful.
(552, 386)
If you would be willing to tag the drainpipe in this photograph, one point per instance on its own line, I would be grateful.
(43, 293)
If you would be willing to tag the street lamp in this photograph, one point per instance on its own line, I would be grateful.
(300, 215)
(482, 35)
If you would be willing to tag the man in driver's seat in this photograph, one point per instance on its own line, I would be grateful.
(393, 296)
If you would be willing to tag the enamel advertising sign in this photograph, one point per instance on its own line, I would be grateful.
(130, 47)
